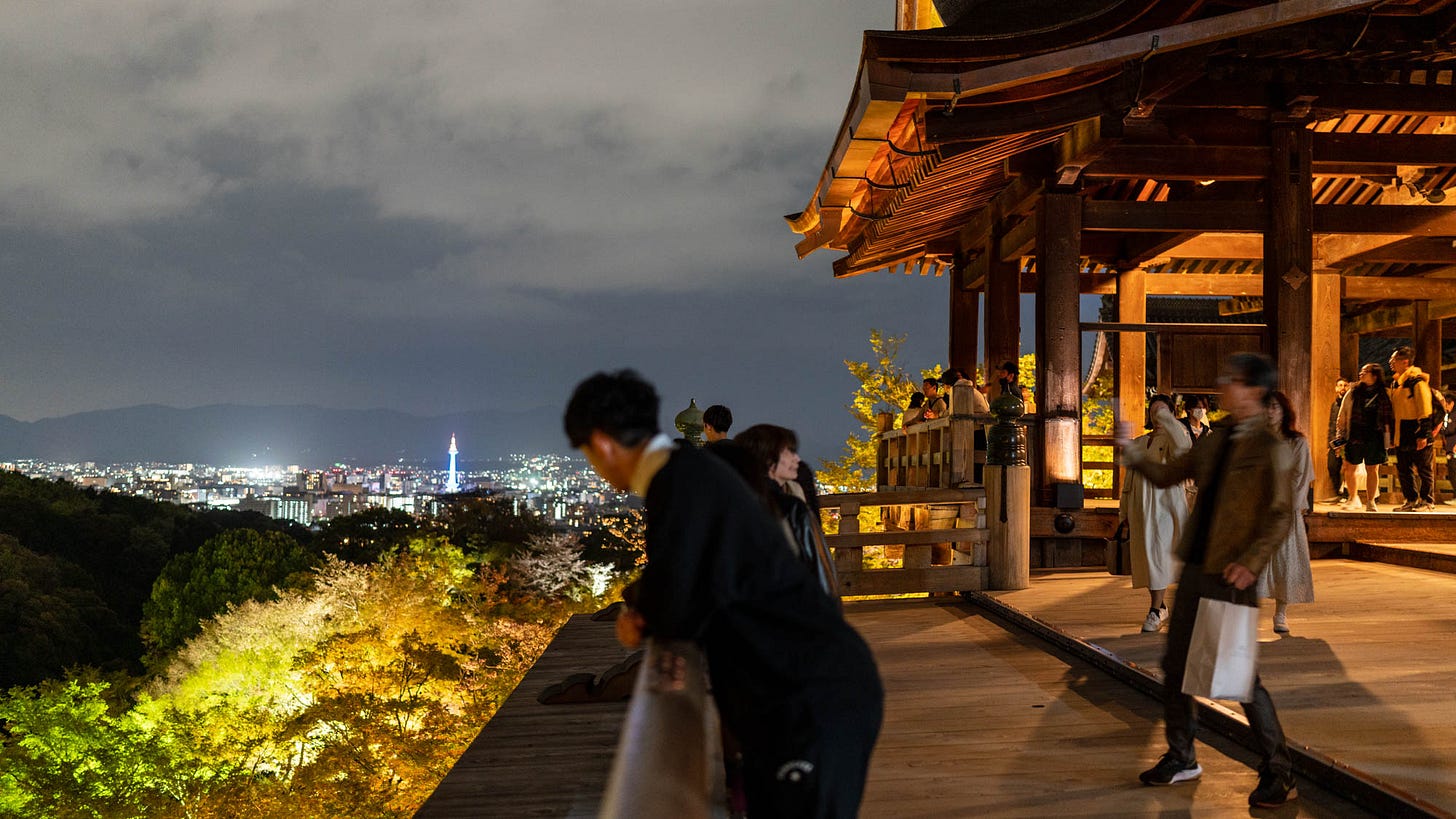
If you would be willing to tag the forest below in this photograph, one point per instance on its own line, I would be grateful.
(166, 661)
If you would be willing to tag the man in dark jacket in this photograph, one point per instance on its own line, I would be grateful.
(1335, 459)
(794, 683)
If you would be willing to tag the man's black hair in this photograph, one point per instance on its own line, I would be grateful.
(620, 404)
(1010, 368)
(718, 417)
(951, 376)
(1407, 353)
(1256, 370)
(925, 381)
(1160, 398)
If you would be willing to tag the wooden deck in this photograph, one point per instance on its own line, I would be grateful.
(1364, 677)
(541, 760)
(983, 718)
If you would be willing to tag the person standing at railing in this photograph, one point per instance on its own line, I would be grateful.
(1155, 515)
(793, 681)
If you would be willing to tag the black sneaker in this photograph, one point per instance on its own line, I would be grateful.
(1170, 770)
(1273, 791)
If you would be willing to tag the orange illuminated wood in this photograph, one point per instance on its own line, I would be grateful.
(1374, 288)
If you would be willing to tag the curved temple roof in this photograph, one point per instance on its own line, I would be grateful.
(1134, 99)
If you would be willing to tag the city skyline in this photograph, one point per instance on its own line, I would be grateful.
(434, 211)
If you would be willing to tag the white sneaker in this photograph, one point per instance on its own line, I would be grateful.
(1371, 507)
(1281, 623)
(1155, 619)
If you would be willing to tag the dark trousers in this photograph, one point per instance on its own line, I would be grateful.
(1411, 464)
(1179, 711)
(1335, 466)
(1451, 472)
(817, 769)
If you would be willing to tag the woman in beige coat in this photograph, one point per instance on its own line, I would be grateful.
(1288, 578)
(1155, 516)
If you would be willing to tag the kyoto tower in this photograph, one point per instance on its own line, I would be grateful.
(452, 483)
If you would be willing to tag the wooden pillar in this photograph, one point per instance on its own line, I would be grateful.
(1059, 339)
(1003, 304)
(965, 319)
(1132, 348)
(1324, 363)
(1301, 305)
(1008, 519)
(1426, 339)
(1350, 362)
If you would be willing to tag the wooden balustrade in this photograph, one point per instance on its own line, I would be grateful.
(943, 546)
(668, 761)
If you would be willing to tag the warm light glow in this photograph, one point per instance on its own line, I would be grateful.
(1063, 450)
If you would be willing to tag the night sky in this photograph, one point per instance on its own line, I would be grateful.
(431, 206)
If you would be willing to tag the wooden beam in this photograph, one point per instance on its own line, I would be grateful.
(1377, 288)
(1252, 217)
(1180, 162)
(1427, 341)
(1175, 217)
(1112, 52)
(1385, 149)
(1385, 318)
(1415, 250)
(1354, 97)
(1019, 240)
(1172, 284)
(1408, 220)
(1241, 246)
(1171, 328)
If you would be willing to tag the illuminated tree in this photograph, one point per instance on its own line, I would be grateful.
(368, 535)
(884, 386)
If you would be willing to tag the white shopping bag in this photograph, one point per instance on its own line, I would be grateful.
(1224, 651)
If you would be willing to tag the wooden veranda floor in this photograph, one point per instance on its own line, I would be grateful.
(1365, 676)
(985, 719)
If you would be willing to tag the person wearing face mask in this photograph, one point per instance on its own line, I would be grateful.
(1197, 420)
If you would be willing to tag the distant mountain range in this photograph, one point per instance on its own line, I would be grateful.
(309, 436)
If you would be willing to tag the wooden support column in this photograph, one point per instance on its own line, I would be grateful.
(1350, 362)
(965, 309)
(1301, 305)
(1059, 339)
(1003, 303)
(1132, 348)
(1426, 339)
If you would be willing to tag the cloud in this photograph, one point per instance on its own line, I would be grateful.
(433, 205)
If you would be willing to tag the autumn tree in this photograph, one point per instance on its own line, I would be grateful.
(884, 386)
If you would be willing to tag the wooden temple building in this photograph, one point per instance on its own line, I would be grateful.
(1290, 161)
(1294, 160)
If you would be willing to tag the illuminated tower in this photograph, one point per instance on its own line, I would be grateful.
(452, 483)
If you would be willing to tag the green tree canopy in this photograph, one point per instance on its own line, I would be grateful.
(237, 565)
(366, 536)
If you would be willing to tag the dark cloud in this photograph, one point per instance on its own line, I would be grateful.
(430, 207)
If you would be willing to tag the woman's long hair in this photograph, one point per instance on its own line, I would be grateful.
(1287, 428)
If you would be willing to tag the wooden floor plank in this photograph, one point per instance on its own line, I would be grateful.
(983, 721)
(1365, 676)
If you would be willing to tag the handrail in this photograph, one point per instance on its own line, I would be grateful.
(665, 760)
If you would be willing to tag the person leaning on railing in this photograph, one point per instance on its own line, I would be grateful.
(792, 680)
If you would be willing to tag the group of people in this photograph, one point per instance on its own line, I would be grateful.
(1155, 516)
(1373, 417)
(933, 399)
(796, 686)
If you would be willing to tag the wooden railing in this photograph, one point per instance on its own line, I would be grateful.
(1115, 491)
(940, 453)
(941, 534)
(668, 760)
